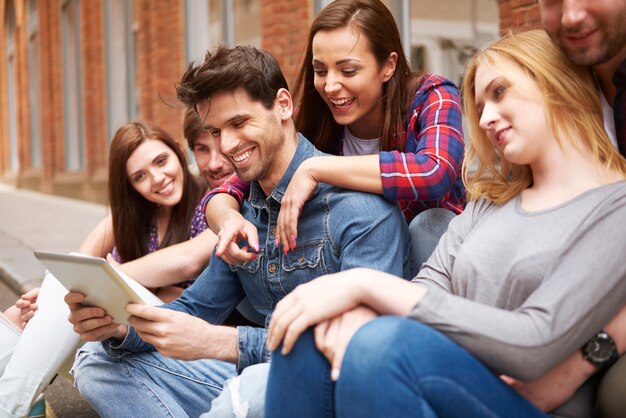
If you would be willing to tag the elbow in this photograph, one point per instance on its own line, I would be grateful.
(194, 267)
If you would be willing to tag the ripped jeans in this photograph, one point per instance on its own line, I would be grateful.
(243, 396)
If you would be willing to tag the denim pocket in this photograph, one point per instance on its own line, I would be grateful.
(303, 264)
(254, 282)
(306, 255)
(249, 267)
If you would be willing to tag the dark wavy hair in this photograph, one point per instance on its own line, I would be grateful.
(132, 214)
(225, 69)
(375, 22)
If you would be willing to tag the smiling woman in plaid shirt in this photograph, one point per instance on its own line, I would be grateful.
(392, 132)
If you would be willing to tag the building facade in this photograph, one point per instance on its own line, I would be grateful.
(72, 71)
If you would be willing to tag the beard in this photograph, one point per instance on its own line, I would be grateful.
(611, 44)
(268, 148)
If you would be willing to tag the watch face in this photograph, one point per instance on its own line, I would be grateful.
(600, 349)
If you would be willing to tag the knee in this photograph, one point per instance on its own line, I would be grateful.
(302, 354)
(92, 369)
(426, 229)
(387, 345)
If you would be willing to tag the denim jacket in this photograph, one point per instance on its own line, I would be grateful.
(337, 230)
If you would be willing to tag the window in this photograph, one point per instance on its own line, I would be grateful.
(203, 28)
(73, 117)
(34, 87)
(450, 31)
(14, 163)
(211, 22)
(120, 62)
(246, 22)
(319, 5)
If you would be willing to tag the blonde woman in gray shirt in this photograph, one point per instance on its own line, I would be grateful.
(528, 274)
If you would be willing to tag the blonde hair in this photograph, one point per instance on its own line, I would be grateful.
(572, 105)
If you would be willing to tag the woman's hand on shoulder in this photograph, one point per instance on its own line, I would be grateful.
(300, 189)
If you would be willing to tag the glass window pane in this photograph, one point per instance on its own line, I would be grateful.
(34, 84)
(445, 33)
(121, 96)
(247, 22)
(70, 26)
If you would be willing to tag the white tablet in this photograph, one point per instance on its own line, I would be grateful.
(101, 283)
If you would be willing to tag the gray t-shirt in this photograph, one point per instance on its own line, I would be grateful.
(523, 290)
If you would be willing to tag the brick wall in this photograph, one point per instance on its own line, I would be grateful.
(285, 25)
(52, 132)
(519, 15)
(160, 60)
(4, 98)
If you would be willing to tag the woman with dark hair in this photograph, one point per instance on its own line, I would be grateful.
(154, 202)
(398, 133)
(520, 281)
(157, 229)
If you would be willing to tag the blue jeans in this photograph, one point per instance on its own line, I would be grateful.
(147, 384)
(393, 367)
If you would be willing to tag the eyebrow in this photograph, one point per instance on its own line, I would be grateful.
(229, 120)
(338, 62)
(163, 154)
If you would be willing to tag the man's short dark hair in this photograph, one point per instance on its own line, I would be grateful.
(225, 69)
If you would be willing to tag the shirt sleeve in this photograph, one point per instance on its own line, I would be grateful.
(431, 161)
(581, 291)
(252, 346)
(234, 186)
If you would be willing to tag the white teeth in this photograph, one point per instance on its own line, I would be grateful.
(167, 188)
(239, 158)
(340, 102)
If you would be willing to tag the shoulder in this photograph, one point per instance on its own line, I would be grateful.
(353, 206)
(434, 90)
(429, 83)
(481, 208)
(609, 198)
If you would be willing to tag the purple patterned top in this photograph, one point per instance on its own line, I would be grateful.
(198, 225)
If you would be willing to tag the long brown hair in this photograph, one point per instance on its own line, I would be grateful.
(375, 22)
(132, 214)
(572, 106)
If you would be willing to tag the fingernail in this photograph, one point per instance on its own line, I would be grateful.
(334, 375)
(276, 242)
(256, 247)
(254, 257)
(285, 250)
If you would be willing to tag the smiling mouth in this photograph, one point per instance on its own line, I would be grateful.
(341, 103)
(500, 133)
(167, 189)
(242, 156)
(579, 36)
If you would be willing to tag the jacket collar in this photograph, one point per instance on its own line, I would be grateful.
(304, 151)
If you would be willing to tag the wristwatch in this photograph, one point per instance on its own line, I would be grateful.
(600, 351)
